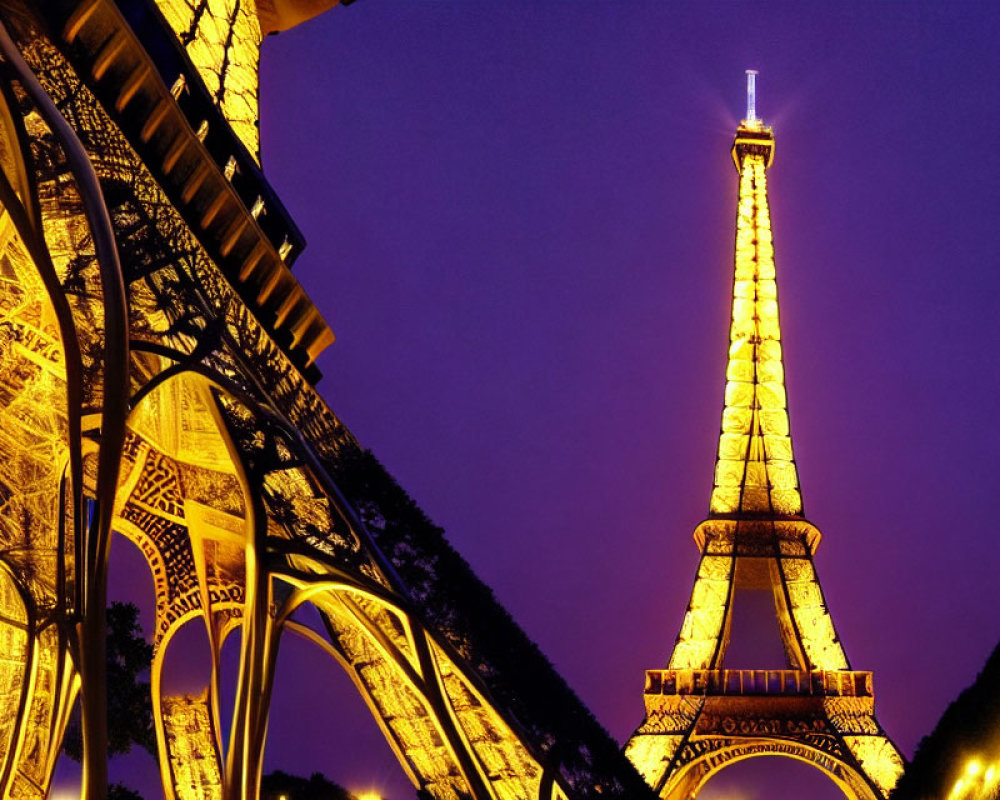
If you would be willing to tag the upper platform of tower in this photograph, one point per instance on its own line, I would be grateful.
(753, 137)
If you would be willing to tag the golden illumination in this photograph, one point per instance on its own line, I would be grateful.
(222, 39)
(141, 395)
(701, 716)
(193, 754)
(755, 469)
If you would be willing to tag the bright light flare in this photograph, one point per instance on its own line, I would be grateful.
(369, 796)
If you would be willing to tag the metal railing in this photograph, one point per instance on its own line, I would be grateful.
(750, 682)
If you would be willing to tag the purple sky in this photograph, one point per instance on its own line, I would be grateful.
(520, 221)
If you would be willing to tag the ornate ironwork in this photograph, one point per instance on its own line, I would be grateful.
(156, 356)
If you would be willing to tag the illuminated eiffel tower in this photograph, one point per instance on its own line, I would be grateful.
(701, 717)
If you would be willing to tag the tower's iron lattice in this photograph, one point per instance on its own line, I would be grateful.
(700, 716)
(156, 381)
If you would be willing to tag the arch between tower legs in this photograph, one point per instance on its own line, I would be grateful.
(699, 721)
(700, 760)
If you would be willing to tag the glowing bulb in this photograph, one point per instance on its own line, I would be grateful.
(989, 774)
(369, 796)
(973, 767)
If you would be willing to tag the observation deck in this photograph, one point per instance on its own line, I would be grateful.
(753, 137)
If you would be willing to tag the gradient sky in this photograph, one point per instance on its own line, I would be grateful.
(520, 222)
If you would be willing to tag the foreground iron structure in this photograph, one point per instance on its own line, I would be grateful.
(156, 381)
(700, 716)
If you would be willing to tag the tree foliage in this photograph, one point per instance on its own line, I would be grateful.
(317, 787)
(130, 707)
(118, 791)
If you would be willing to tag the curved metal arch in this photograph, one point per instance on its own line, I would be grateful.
(283, 427)
(856, 789)
(260, 647)
(205, 381)
(326, 647)
(420, 671)
(9, 758)
(156, 691)
(433, 692)
(423, 678)
(341, 592)
(415, 681)
(268, 413)
(308, 586)
(187, 617)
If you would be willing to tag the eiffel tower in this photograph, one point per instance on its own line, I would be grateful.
(700, 716)
(157, 381)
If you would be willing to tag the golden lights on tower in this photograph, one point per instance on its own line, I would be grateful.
(701, 715)
(755, 468)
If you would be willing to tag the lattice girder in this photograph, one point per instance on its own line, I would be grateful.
(450, 739)
(160, 355)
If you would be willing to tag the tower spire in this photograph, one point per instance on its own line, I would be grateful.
(755, 470)
(751, 95)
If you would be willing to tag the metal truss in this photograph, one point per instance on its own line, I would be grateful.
(156, 371)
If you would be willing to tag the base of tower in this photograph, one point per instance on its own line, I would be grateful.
(700, 721)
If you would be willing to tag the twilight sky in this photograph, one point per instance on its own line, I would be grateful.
(520, 220)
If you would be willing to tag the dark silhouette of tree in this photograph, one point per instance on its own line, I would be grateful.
(118, 791)
(130, 707)
(317, 787)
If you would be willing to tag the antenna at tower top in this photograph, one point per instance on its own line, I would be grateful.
(751, 95)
